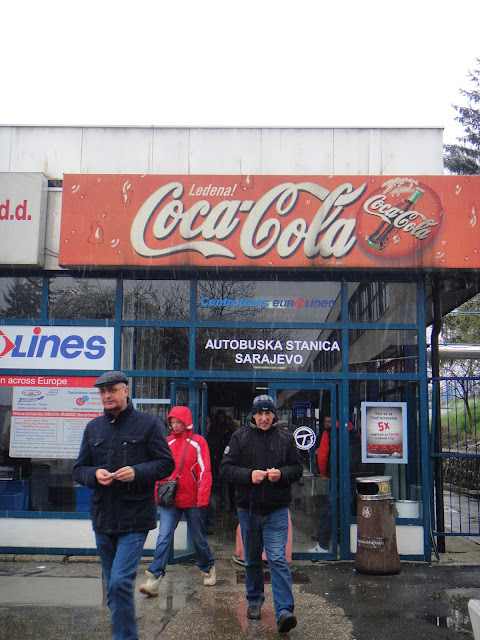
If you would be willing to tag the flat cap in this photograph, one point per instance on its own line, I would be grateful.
(111, 377)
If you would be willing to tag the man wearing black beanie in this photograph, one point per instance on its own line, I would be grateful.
(262, 462)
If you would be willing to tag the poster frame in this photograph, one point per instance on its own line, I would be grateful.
(366, 407)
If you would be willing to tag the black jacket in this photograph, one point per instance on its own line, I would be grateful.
(251, 448)
(133, 439)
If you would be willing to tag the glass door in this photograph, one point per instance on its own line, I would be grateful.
(308, 411)
(194, 396)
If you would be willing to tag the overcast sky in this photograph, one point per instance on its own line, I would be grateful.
(250, 63)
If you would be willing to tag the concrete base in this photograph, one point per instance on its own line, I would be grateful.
(474, 613)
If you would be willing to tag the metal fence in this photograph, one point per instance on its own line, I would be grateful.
(455, 455)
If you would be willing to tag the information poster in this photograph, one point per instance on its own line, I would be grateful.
(384, 432)
(48, 421)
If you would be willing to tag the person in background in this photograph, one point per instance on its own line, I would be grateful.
(211, 513)
(262, 462)
(323, 452)
(192, 496)
(122, 455)
(217, 439)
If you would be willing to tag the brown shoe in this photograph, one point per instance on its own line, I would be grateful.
(254, 612)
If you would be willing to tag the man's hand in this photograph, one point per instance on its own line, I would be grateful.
(125, 474)
(104, 477)
(258, 475)
(274, 474)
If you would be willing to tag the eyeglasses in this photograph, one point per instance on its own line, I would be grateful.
(105, 390)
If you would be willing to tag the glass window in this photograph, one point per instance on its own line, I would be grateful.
(252, 349)
(70, 298)
(20, 297)
(406, 478)
(46, 484)
(382, 302)
(156, 299)
(377, 351)
(152, 395)
(149, 387)
(154, 348)
(265, 301)
(32, 484)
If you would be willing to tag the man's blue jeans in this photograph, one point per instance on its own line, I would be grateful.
(168, 523)
(120, 556)
(269, 531)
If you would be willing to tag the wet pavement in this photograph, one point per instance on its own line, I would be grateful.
(62, 598)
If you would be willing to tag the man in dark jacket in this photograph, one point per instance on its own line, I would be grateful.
(123, 453)
(262, 462)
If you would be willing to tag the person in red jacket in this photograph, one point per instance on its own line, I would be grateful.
(324, 531)
(191, 497)
(324, 463)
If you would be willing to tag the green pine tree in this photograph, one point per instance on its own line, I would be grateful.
(464, 158)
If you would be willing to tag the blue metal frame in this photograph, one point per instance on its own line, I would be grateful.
(191, 376)
(335, 471)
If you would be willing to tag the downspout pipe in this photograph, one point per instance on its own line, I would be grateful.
(435, 361)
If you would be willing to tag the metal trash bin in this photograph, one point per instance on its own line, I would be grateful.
(376, 535)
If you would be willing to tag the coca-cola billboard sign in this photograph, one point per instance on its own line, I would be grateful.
(269, 221)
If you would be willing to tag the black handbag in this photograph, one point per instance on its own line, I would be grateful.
(166, 491)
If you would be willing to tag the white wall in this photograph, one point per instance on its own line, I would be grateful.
(25, 533)
(320, 151)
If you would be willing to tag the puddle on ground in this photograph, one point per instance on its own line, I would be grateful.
(173, 604)
(297, 577)
(458, 621)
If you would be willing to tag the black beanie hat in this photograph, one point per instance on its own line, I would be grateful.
(264, 403)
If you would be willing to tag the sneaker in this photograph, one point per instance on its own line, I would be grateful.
(318, 549)
(210, 578)
(254, 611)
(286, 622)
(239, 560)
(151, 586)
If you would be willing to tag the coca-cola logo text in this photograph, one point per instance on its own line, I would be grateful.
(263, 225)
(378, 206)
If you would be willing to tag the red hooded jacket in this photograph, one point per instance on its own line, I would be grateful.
(323, 452)
(195, 479)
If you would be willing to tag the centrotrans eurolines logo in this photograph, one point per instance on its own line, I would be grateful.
(27, 347)
(282, 303)
(6, 345)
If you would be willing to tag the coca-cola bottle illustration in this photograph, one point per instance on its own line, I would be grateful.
(380, 237)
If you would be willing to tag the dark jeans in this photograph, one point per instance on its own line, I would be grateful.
(269, 531)
(324, 531)
(120, 556)
(211, 514)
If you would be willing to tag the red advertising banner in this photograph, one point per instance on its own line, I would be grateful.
(271, 221)
(46, 381)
